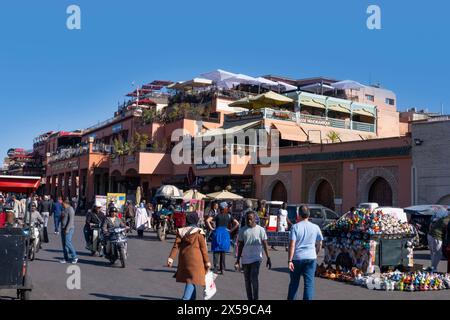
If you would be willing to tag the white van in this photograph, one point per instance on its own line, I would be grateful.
(368, 206)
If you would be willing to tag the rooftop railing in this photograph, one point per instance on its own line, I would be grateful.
(82, 149)
(266, 113)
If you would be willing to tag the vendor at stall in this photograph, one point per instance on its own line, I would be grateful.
(435, 238)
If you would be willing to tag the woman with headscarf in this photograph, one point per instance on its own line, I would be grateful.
(221, 241)
(141, 219)
(193, 260)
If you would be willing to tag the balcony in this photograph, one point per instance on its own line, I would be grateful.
(260, 114)
(80, 150)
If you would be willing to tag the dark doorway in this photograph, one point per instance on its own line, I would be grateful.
(279, 192)
(325, 195)
(381, 193)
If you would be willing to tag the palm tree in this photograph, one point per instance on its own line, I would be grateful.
(334, 136)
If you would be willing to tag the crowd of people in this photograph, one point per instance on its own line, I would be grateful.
(248, 230)
(243, 231)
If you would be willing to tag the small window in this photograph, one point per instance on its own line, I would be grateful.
(370, 97)
(316, 213)
(390, 101)
(331, 215)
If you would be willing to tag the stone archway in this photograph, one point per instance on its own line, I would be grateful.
(279, 192)
(381, 192)
(270, 182)
(322, 192)
(368, 176)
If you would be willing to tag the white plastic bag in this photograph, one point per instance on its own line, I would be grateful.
(210, 285)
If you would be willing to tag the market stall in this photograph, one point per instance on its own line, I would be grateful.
(360, 244)
(367, 240)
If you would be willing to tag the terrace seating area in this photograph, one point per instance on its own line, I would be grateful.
(81, 149)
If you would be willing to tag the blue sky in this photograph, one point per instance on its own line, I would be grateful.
(52, 78)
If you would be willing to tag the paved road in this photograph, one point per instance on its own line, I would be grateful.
(146, 277)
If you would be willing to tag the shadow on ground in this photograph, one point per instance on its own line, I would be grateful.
(111, 297)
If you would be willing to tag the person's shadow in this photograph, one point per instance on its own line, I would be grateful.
(112, 297)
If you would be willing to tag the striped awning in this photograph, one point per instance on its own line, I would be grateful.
(339, 108)
(363, 112)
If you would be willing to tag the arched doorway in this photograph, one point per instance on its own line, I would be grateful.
(381, 192)
(325, 194)
(279, 192)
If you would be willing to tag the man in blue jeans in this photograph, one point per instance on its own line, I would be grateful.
(67, 231)
(305, 242)
(57, 211)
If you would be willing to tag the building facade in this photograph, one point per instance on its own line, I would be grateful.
(430, 161)
(336, 148)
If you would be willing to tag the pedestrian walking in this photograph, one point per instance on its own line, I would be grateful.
(252, 241)
(263, 213)
(304, 246)
(46, 209)
(221, 241)
(67, 231)
(150, 213)
(17, 208)
(193, 260)
(435, 237)
(141, 220)
(57, 212)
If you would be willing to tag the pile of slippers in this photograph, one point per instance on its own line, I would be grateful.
(390, 281)
(406, 281)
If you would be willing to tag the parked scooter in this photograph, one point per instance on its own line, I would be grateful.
(35, 240)
(117, 244)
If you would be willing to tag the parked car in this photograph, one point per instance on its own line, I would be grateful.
(320, 215)
(368, 205)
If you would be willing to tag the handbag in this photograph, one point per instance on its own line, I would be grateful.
(210, 285)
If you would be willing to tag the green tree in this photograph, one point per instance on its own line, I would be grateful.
(334, 136)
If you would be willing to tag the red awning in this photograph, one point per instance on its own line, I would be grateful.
(147, 101)
(19, 184)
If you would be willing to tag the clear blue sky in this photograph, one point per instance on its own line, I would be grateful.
(55, 79)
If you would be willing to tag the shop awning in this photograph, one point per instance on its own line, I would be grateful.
(19, 184)
(230, 130)
(292, 133)
(191, 84)
(339, 108)
(363, 112)
(312, 100)
(268, 99)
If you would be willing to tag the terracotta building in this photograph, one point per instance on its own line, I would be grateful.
(337, 147)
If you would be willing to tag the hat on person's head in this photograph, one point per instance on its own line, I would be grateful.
(192, 219)
(223, 205)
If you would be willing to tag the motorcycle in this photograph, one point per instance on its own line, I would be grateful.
(130, 223)
(96, 245)
(117, 244)
(164, 226)
(35, 241)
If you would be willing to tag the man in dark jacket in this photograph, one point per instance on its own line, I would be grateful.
(93, 217)
(45, 208)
